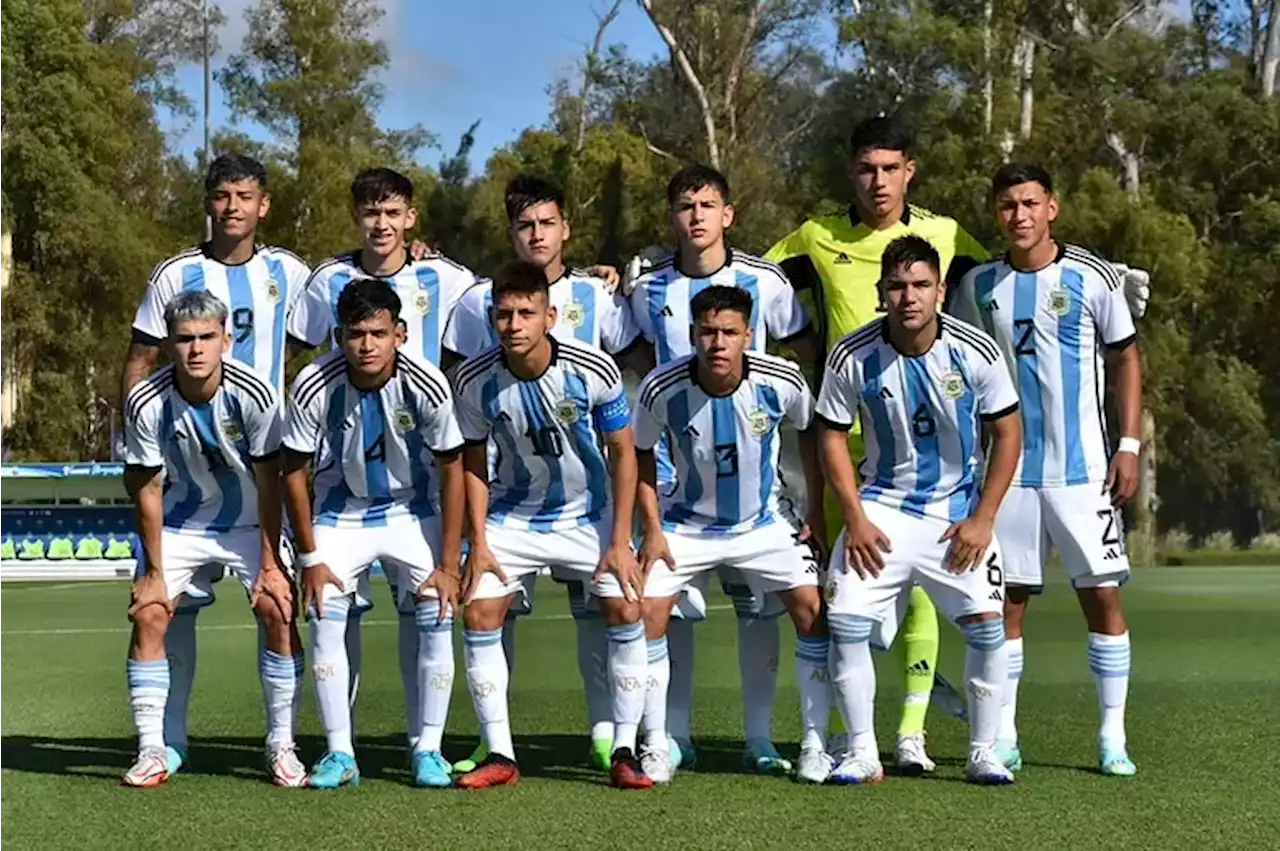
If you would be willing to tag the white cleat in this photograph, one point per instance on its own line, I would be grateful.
(285, 768)
(856, 770)
(910, 757)
(655, 762)
(813, 766)
(986, 769)
(151, 768)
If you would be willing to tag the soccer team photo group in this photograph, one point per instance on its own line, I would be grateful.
(619, 435)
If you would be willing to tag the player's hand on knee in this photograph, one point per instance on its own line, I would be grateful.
(447, 587)
(149, 590)
(479, 562)
(1122, 478)
(653, 549)
(314, 579)
(970, 539)
(814, 534)
(864, 548)
(273, 583)
(621, 562)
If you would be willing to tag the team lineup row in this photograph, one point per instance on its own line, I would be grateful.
(532, 450)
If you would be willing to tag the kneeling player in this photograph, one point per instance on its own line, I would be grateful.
(550, 406)
(923, 385)
(723, 407)
(369, 414)
(202, 439)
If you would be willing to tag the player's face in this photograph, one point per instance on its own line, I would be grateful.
(370, 344)
(1025, 213)
(700, 218)
(383, 224)
(236, 208)
(880, 178)
(522, 321)
(720, 337)
(539, 233)
(198, 346)
(911, 296)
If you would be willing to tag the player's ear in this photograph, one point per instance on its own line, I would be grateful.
(1053, 206)
(728, 214)
(410, 218)
(226, 342)
(264, 205)
(401, 333)
(749, 337)
(910, 169)
(551, 315)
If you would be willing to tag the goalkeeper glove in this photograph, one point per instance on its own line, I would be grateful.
(1137, 288)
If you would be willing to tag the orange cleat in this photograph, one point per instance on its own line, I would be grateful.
(496, 770)
(625, 771)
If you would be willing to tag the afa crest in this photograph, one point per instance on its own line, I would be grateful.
(1060, 301)
(575, 314)
(405, 420)
(233, 430)
(952, 385)
(273, 291)
(829, 593)
(422, 302)
(759, 422)
(567, 412)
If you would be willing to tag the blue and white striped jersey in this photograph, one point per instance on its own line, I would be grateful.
(371, 446)
(920, 415)
(429, 289)
(259, 294)
(1053, 326)
(551, 470)
(206, 450)
(725, 447)
(585, 311)
(660, 303)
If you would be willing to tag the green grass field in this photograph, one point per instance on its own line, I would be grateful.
(1201, 723)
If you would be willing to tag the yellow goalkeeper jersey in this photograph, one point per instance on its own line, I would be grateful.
(839, 258)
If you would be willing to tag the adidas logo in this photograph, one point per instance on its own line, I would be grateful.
(921, 667)
(885, 393)
(504, 417)
(996, 595)
(667, 312)
(691, 430)
(1111, 554)
(990, 305)
(842, 259)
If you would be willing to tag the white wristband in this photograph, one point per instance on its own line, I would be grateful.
(310, 559)
(1131, 445)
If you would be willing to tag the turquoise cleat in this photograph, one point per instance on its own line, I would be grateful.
(1114, 761)
(688, 754)
(762, 757)
(333, 770)
(175, 758)
(1010, 755)
(431, 770)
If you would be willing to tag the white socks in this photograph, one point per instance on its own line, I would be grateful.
(655, 696)
(434, 681)
(487, 679)
(1009, 705)
(1109, 658)
(629, 674)
(986, 672)
(279, 675)
(148, 691)
(330, 671)
(853, 681)
(815, 689)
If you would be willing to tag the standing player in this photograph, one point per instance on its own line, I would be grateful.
(701, 212)
(589, 313)
(202, 440)
(551, 407)
(428, 287)
(1060, 317)
(924, 385)
(724, 407)
(259, 284)
(369, 414)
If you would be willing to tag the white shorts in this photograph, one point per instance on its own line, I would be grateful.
(406, 547)
(917, 558)
(768, 560)
(571, 554)
(1078, 520)
(193, 563)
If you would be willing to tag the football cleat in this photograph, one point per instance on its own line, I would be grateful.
(814, 766)
(601, 751)
(1010, 755)
(626, 772)
(655, 762)
(910, 757)
(856, 770)
(762, 757)
(175, 757)
(1114, 761)
(151, 768)
(494, 770)
(688, 754)
(466, 766)
(284, 767)
(431, 770)
(333, 770)
(986, 769)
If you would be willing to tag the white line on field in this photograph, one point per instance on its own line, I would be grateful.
(221, 627)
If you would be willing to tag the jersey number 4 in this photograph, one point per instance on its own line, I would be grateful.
(726, 461)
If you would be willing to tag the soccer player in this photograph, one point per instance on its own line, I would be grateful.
(202, 441)
(701, 211)
(1059, 315)
(429, 287)
(837, 258)
(259, 284)
(586, 311)
(551, 406)
(724, 407)
(369, 414)
(923, 385)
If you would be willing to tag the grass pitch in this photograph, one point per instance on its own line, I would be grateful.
(1202, 710)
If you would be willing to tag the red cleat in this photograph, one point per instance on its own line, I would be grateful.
(625, 771)
(496, 770)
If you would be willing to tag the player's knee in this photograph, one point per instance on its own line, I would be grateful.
(151, 620)
(483, 615)
(806, 611)
(619, 611)
(268, 613)
(656, 613)
(984, 634)
(849, 629)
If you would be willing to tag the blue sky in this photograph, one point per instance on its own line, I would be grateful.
(455, 62)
